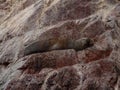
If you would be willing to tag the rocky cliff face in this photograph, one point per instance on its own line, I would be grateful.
(23, 22)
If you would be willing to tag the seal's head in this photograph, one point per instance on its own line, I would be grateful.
(89, 42)
(83, 43)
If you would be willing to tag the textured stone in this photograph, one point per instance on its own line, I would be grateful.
(99, 75)
(54, 59)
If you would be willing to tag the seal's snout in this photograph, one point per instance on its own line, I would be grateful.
(90, 42)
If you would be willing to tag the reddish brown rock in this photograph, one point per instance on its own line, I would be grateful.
(99, 75)
(63, 79)
(64, 11)
(29, 81)
(93, 54)
(54, 59)
(76, 29)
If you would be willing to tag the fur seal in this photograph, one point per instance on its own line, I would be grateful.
(57, 44)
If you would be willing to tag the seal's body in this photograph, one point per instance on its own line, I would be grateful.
(57, 44)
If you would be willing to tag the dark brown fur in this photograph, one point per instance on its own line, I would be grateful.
(57, 44)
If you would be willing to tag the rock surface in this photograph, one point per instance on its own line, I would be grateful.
(23, 22)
